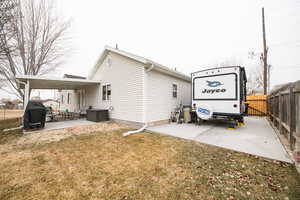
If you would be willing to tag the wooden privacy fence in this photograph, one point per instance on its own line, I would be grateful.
(257, 105)
(284, 112)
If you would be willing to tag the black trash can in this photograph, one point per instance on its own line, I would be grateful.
(97, 115)
(35, 115)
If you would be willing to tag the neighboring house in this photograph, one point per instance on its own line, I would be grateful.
(134, 89)
(11, 104)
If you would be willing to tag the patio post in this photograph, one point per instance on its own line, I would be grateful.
(26, 94)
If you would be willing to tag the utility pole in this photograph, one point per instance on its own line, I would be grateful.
(269, 71)
(265, 60)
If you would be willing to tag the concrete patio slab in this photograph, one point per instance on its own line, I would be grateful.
(63, 124)
(257, 137)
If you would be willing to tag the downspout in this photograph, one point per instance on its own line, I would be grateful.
(136, 131)
(20, 82)
(150, 68)
(146, 125)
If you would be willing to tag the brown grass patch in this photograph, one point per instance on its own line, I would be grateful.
(10, 114)
(105, 165)
(7, 137)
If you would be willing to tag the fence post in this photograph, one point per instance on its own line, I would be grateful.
(280, 113)
(273, 109)
(297, 118)
(292, 115)
(267, 106)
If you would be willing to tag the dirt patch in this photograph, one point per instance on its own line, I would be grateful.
(57, 135)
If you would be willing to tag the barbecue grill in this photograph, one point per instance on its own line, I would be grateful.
(35, 115)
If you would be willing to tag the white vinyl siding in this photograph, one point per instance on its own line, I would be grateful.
(160, 101)
(136, 94)
(125, 77)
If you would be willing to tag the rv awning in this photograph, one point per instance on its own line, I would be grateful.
(54, 83)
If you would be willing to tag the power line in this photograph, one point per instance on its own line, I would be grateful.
(290, 68)
(283, 67)
(286, 43)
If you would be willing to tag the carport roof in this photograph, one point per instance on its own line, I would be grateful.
(42, 82)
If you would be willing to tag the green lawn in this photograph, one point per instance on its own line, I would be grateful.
(105, 165)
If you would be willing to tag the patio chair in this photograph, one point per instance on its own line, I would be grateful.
(82, 113)
(58, 116)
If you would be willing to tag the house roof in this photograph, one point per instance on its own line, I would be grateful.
(40, 82)
(147, 63)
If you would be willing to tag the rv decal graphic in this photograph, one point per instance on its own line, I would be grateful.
(203, 111)
(214, 83)
(212, 91)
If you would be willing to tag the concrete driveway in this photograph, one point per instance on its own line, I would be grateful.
(257, 137)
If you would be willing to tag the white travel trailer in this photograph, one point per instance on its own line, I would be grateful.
(220, 93)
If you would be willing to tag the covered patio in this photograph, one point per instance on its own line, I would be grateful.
(28, 83)
(61, 119)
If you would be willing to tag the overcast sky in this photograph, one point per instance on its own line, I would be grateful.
(188, 35)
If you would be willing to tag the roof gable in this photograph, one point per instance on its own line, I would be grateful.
(147, 63)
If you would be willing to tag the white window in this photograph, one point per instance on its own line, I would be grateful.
(106, 92)
(174, 91)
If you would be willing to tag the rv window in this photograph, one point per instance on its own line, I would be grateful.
(215, 87)
(174, 91)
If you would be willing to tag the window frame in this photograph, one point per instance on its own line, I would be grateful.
(103, 92)
(106, 92)
(174, 90)
(69, 98)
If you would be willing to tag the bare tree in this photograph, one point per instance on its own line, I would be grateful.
(255, 81)
(7, 11)
(229, 61)
(36, 44)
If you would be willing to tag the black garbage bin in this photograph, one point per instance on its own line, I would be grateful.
(97, 115)
(35, 115)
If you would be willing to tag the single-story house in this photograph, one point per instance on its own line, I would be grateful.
(134, 89)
